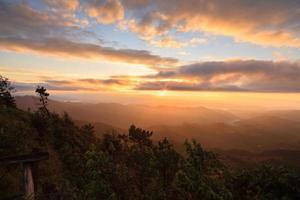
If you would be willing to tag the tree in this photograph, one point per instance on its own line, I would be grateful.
(141, 161)
(167, 160)
(97, 166)
(88, 129)
(6, 99)
(201, 175)
(42, 92)
(140, 136)
(266, 182)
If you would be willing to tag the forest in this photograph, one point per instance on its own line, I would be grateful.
(119, 165)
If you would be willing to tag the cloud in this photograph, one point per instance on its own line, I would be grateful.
(170, 42)
(135, 4)
(185, 86)
(148, 27)
(69, 5)
(53, 32)
(91, 85)
(280, 57)
(233, 76)
(183, 53)
(274, 23)
(19, 20)
(196, 41)
(89, 82)
(30, 87)
(277, 23)
(105, 11)
(238, 75)
(66, 48)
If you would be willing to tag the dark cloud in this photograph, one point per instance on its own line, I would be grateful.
(96, 82)
(185, 86)
(104, 81)
(235, 76)
(275, 69)
(240, 75)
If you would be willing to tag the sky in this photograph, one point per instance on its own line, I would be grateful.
(192, 52)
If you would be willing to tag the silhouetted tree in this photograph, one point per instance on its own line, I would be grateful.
(6, 99)
(140, 136)
(88, 129)
(42, 92)
(40, 119)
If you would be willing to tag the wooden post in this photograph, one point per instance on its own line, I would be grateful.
(28, 183)
(27, 162)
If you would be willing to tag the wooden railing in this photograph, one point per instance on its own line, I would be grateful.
(27, 161)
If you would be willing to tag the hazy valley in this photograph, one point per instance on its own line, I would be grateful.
(213, 128)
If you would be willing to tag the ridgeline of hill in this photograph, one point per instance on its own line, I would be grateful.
(213, 128)
(124, 115)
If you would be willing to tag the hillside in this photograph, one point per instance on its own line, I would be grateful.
(131, 165)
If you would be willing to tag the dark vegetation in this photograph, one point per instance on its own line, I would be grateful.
(123, 166)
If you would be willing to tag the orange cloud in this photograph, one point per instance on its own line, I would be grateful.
(146, 29)
(87, 85)
(274, 23)
(70, 5)
(106, 12)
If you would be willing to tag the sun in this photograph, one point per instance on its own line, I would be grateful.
(162, 93)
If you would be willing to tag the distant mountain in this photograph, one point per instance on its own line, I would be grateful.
(124, 115)
(257, 134)
(102, 128)
(241, 158)
(212, 128)
(286, 114)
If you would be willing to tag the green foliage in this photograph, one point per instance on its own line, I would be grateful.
(16, 137)
(266, 182)
(16, 134)
(167, 165)
(97, 165)
(201, 175)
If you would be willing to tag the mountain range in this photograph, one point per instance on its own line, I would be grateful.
(277, 129)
